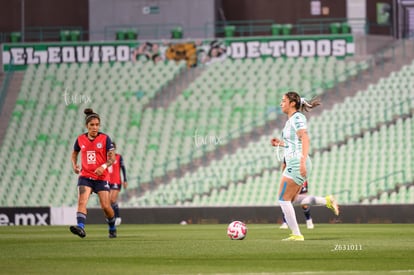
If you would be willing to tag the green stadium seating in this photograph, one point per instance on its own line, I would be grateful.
(225, 101)
(325, 179)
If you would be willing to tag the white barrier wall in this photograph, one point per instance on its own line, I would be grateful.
(62, 215)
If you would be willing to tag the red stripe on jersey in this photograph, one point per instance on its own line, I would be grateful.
(93, 155)
(115, 171)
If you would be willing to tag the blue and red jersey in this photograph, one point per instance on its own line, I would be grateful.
(304, 188)
(115, 170)
(93, 154)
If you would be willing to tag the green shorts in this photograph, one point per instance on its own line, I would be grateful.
(292, 170)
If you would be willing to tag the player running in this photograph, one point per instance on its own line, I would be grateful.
(116, 183)
(306, 201)
(96, 157)
(296, 142)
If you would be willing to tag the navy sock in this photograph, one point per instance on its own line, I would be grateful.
(81, 219)
(115, 207)
(284, 220)
(111, 223)
(306, 211)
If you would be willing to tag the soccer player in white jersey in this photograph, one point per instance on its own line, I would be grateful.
(296, 143)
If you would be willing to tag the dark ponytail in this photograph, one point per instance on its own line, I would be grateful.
(90, 114)
(301, 104)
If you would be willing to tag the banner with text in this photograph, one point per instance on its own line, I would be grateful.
(192, 52)
(25, 216)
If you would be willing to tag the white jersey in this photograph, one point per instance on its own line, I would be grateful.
(293, 145)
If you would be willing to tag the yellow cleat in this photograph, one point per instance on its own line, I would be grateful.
(332, 204)
(294, 238)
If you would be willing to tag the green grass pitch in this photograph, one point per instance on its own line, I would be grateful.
(206, 249)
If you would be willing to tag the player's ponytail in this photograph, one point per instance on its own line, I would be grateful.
(301, 104)
(90, 114)
(305, 105)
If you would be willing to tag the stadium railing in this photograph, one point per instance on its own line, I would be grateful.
(240, 28)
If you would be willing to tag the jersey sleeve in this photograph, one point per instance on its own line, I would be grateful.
(109, 145)
(123, 169)
(76, 146)
(299, 121)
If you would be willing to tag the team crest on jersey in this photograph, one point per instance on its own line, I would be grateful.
(99, 145)
(91, 157)
(300, 124)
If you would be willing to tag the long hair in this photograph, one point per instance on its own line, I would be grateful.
(301, 104)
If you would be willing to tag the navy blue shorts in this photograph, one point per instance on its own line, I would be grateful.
(96, 185)
(115, 186)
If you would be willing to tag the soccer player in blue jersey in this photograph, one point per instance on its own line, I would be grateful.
(96, 156)
(296, 143)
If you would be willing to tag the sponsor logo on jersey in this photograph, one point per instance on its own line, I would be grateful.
(91, 157)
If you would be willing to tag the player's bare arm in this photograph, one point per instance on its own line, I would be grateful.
(304, 137)
(110, 160)
(75, 166)
(277, 142)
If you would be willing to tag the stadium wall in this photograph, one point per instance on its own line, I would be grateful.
(198, 215)
(281, 11)
(43, 14)
(146, 14)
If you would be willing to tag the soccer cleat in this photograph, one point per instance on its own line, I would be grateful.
(118, 221)
(309, 224)
(112, 234)
(332, 204)
(77, 230)
(294, 238)
(284, 226)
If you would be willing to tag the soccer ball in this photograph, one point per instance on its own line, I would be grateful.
(237, 230)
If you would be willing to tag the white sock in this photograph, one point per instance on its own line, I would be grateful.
(312, 200)
(301, 198)
(290, 216)
(320, 200)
